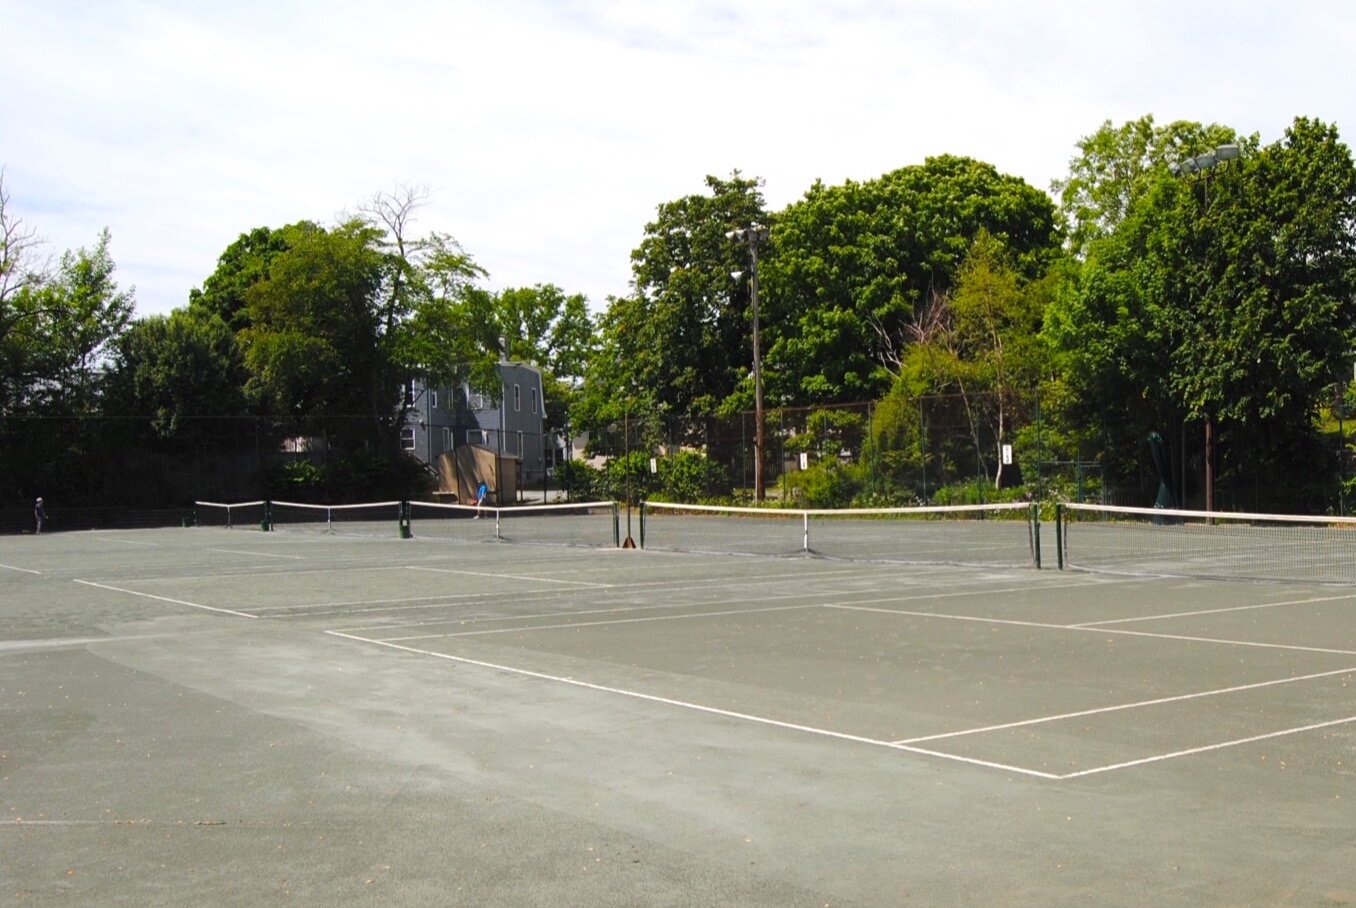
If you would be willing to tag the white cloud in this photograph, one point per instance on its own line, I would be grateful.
(549, 131)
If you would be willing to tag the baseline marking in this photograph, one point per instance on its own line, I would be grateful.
(207, 608)
(10, 567)
(697, 707)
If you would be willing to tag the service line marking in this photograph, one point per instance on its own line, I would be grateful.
(1213, 611)
(206, 608)
(433, 570)
(1123, 706)
(569, 625)
(1158, 758)
(698, 707)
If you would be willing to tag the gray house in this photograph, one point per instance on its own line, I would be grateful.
(441, 423)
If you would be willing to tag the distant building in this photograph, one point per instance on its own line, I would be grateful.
(462, 432)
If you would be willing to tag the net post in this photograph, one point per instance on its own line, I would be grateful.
(1035, 524)
(805, 538)
(266, 521)
(498, 536)
(1059, 534)
(403, 521)
(616, 525)
(642, 523)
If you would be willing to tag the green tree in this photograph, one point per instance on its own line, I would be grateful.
(312, 343)
(679, 348)
(1224, 299)
(982, 342)
(184, 372)
(852, 267)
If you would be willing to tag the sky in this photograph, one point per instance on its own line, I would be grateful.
(545, 133)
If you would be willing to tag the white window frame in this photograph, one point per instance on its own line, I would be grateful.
(517, 397)
(532, 396)
(409, 438)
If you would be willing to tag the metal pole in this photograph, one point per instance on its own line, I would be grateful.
(759, 489)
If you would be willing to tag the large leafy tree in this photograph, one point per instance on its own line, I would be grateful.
(853, 266)
(312, 342)
(184, 373)
(1117, 165)
(1225, 299)
(679, 347)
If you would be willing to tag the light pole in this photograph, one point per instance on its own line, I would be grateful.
(1203, 164)
(751, 236)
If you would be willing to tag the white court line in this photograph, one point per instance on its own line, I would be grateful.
(1094, 630)
(1158, 758)
(1123, 706)
(547, 597)
(569, 625)
(432, 602)
(697, 707)
(433, 570)
(10, 567)
(208, 608)
(254, 554)
(1214, 611)
(1189, 639)
(153, 545)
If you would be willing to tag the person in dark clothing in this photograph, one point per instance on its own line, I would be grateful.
(40, 515)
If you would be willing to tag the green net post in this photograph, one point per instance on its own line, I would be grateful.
(1036, 533)
(642, 524)
(404, 520)
(266, 522)
(1059, 535)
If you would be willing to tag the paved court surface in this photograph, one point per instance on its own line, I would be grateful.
(200, 716)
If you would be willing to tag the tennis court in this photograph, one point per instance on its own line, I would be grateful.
(443, 719)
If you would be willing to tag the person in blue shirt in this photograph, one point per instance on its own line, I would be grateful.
(481, 494)
(40, 515)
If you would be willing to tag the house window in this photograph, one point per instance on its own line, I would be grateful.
(532, 396)
(447, 438)
(476, 437)
(433, 399)
(517, 398)
(407, 391)
(407, 438)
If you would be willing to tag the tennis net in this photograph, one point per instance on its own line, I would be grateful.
(1004, 535)
(250, 515)
(589, 523)
(1212, 545)
(376, 518)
